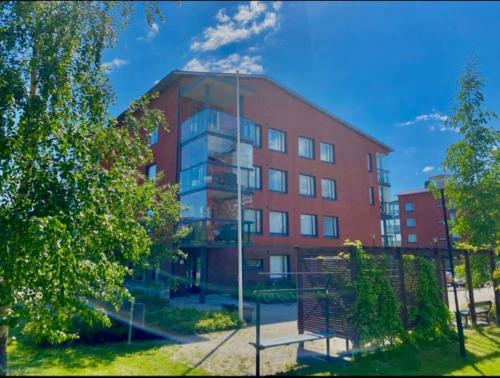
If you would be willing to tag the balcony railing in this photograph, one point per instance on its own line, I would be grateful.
(214, 233)
(383, 176)
(389, 210)
(221, 177)
(216, 122)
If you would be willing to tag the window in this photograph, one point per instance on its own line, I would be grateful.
(151, 171)
(257, 137)
(330, 227)
(306, 186)
(411, 222)
(153, 137)
(253, 264)
(277, 140)
(371, 195)
(278, 266)
(278, 223)
(409, 206)
(370, 164)
(308, 225)
(255, 217)
(306, 148)
(327, 152)
(277, 180)
(412, 238)
(328, 189)
(255, 178)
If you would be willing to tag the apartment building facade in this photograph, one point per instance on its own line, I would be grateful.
(422, 219)
(308, 178)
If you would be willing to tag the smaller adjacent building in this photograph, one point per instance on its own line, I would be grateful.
(422, 219)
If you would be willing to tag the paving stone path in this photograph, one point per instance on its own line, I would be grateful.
(229, 352)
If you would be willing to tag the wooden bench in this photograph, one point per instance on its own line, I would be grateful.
(482, 309)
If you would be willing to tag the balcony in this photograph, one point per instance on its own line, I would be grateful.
(215, 176)
(214, 233)
(383, 176)
(389, 210)
(209, 120)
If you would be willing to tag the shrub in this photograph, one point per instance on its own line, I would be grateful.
(375, 313)
(432, 318)
(190, 320)
(269, 297)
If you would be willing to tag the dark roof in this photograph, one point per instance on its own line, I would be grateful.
(414, 191)
(173, 75)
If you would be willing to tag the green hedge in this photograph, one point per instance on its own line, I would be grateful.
(270, 297)
(190, 320)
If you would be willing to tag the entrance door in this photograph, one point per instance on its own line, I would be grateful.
(278, 266)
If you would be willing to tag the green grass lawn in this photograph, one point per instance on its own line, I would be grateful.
(483, 358)
(140, 358)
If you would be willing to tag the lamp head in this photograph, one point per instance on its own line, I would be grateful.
(439, 180)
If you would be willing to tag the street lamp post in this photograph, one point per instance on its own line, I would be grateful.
(440, 181)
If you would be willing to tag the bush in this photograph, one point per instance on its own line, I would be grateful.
(375, 313)
(432, 318)
(190, 320)
(269, 297)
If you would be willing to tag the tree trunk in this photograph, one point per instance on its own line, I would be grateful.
(4, 331)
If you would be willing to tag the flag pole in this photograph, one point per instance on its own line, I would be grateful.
(238, 163)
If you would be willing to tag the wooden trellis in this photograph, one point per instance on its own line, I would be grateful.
(403, 277)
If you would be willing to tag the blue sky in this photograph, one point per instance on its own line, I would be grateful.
(388, 68)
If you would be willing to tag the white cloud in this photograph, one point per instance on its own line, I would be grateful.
(428, 168)
(245, 64)
(249, 20)
(221, 16)
(277, 5)
(153, 31)
(247, 13)
(425, 118)
(115, 63)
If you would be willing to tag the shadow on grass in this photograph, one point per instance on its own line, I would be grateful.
(437, 359)
(23, 358)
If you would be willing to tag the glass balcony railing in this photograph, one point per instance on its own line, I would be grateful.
(389, 210)
(214, 233)
(216, 122)
(221, 177)
(383, 176)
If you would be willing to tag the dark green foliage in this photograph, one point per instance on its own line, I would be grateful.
(190, 320)
(431, 317)
(248, 292)
(375, 313)
(480, 270)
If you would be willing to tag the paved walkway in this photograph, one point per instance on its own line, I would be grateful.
(229, 352)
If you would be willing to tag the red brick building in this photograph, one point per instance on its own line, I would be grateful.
(309, 178)
(422, 219)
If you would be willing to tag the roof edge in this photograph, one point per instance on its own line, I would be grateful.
(162, 83)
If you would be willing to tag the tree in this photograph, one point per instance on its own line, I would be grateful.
(474, 163)
(75, 210)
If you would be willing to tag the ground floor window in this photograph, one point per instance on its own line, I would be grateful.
(279, 266)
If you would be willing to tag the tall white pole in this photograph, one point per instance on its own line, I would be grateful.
(238, 163)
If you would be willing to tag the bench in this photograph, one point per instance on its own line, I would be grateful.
(482, 309)
(292, 339)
